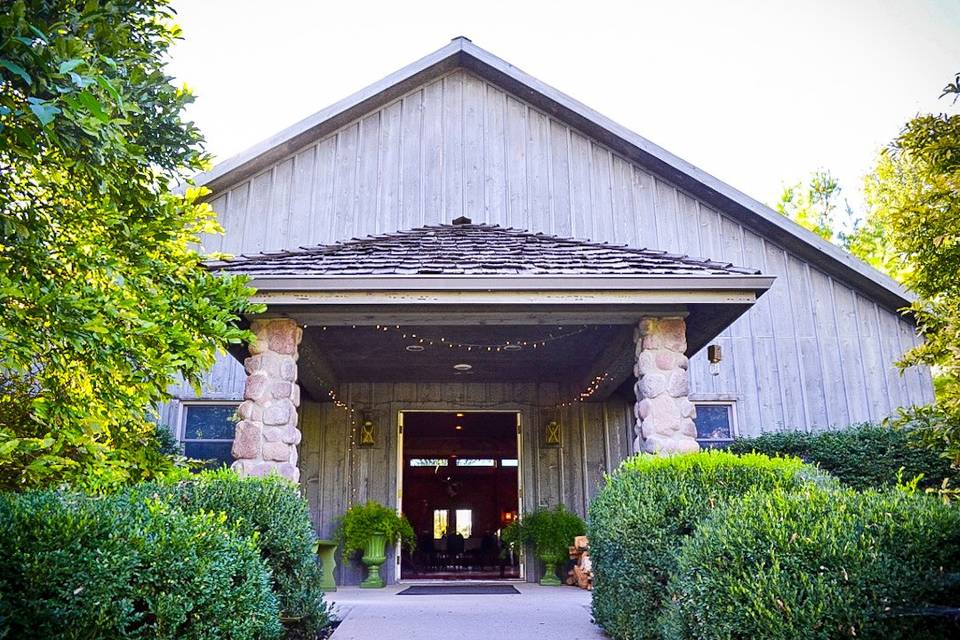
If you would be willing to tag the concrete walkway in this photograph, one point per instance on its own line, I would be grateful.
(538, 612)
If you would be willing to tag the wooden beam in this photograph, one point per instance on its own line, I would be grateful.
(458, 315)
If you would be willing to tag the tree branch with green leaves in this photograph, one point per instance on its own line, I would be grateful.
(915, 193)
(104, 299)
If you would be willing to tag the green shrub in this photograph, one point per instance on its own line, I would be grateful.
(863, 456)
(272, 512)
(815, 564)
(361, 520)
(75, 566)
(550, 531)
(643, 513)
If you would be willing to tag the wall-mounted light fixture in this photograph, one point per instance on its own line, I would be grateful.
(368, 431)
(551, 433)
(714, 355)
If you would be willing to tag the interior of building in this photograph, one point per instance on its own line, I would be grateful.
(460, 489)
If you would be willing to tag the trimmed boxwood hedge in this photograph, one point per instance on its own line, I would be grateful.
(75, 566)
(863, 456)
(273, 513)
(813, 564)
(644, 512)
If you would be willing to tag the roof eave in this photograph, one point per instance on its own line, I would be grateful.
(548, 282)
(462, 53)
(679, 171)
(250, 161)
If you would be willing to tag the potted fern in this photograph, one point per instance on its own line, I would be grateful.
(365, 529)
(550, 532)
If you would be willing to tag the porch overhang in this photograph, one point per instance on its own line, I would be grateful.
(710, 304)
(484, 286)
(331, 309)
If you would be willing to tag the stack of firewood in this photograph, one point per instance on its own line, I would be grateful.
(582, 573)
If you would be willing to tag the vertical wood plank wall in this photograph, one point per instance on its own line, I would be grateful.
(813, 354)
(595, 437)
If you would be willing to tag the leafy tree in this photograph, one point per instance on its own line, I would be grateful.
(104, 300)
(869, 239)
(916, 194)
(814, 205)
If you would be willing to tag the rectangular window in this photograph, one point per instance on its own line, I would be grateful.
(439, 523)
(715, 423)
(476, 462)
(464, 522)
(428, 462)
(509, 462)
(208, 432)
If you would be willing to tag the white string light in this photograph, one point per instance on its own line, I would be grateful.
(442, 341)
(580, 397)
(352, 414)
(591, 389)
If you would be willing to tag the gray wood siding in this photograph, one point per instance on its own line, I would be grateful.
(595, 438)
(812, 354)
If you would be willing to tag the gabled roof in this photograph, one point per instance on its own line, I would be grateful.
(462, 53)
(474, 250)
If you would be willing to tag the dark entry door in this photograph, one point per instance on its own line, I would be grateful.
(460, 489)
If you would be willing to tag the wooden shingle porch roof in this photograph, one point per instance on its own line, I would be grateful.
(475, 250)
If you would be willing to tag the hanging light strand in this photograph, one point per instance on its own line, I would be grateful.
(444, 342)
(588, 392)
(353, 480)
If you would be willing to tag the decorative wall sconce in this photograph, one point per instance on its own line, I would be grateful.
(368, 432)
(714, 355)
(551, 433)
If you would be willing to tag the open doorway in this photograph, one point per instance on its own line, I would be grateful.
(460, 488)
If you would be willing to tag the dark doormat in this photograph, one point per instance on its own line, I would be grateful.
(458, 590)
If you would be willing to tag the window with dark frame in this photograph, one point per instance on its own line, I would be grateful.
(715, 423)
(208, 430)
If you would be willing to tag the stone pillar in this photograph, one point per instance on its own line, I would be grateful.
(267, 436)
(664, 412)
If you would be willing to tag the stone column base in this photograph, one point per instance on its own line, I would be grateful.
(663, 411)
(267, 436)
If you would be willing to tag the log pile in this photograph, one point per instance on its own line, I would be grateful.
(582, 573)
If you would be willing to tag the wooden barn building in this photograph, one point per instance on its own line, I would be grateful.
(482, 295)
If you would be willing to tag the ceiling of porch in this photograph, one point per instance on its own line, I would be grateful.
(573, 355)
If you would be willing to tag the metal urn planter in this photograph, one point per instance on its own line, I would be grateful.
(373, 557)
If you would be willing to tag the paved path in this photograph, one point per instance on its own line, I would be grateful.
(538, 612)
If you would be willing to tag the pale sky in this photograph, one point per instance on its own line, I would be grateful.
(757, 93)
